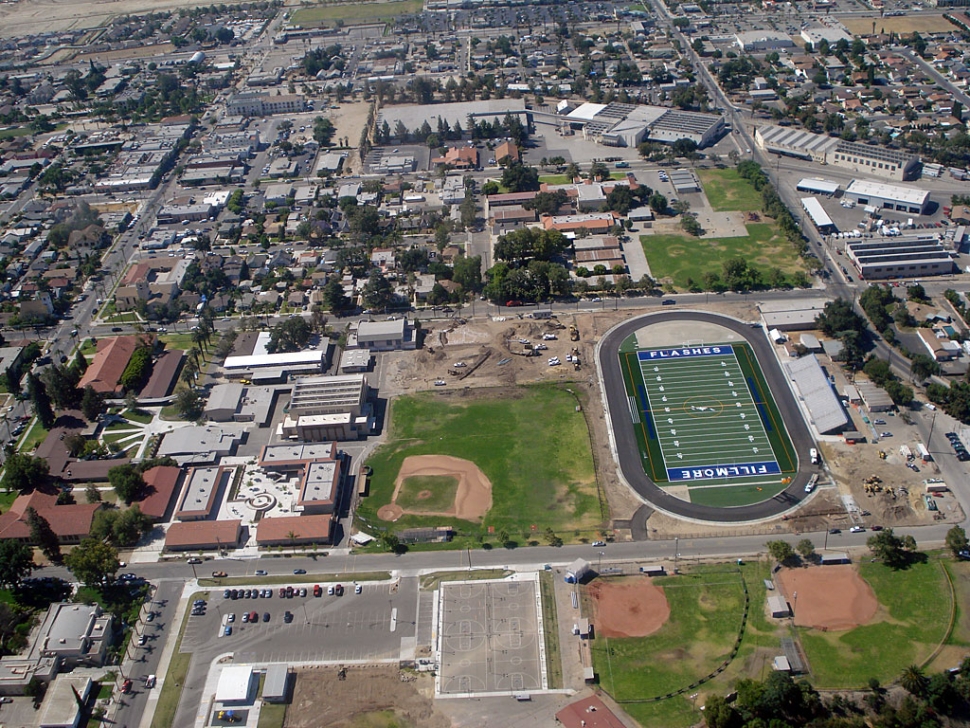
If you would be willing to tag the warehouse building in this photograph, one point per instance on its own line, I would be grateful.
(902, 257)
(276, 686)
(395, 335)
(899, 198)
(756, 41)
(628, 125)
(815, 393)
(818, 186)
(791, 314)
(869, 159)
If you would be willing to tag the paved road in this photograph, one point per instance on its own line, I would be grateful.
(624, 435)
(146, 659)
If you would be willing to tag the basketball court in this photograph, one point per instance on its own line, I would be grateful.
(490, 638)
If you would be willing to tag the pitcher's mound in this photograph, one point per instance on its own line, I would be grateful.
(829, 597)
(473, 496)
(633, 607)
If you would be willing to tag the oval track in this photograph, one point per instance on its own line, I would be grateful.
(628, 454)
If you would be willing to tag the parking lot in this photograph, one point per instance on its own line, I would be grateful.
(329, 628)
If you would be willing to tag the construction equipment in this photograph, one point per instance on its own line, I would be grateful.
(882, 454)
(573, 333)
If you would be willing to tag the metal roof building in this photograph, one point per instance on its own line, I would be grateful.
(235, 684)
(818, 186)
(813, 388)
(818, 216)
(902, 257)
(899, 198)
(792, 314)
(276, 686)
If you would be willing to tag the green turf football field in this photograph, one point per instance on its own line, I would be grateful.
(704, 419)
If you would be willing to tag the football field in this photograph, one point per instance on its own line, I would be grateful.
(707, 426)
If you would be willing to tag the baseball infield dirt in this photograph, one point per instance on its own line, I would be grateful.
(472, 499)
(828, 597)
(633, 607)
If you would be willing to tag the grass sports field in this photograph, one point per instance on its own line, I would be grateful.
(726, 190)
(530, 442)
(684, 259)
(910, 624)
(704, 419)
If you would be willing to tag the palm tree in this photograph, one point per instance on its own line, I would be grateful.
(913, 680)
(193, 357)
(198, 338)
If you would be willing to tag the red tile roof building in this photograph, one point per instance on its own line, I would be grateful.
(162, 483)
(71, 522)
(589, 712)
(203, 535)
(109, 363)
(294, 530)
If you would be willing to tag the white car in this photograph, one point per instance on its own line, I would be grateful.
(549, 337)
(439, 382)
(554, 362)
(856, 529)
(459, 365)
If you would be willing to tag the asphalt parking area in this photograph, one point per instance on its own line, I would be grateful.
(490, 638)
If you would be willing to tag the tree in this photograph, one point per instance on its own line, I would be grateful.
(334, 297)
(956, 541)
(92, 403)
(93, 562)
(520, 178)
(80, 363)
(922, 367)
(389, 541)
(805, 549)
(127, 482)
(323, 131)
(292, 334)
(658, 203)
(92, 494)
(42, 535)
(781, 551)
(23, 473)
(892, 550)
(16, 563)
(913, 680)
(42, 403)
(188, 404)
(552, 538)
(377, 292)
(719, 713)
(468, 210)
(467, 273)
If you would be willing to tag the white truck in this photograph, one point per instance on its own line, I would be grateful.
(813, 456)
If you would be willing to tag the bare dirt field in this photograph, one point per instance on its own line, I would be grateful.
(322, 698)
(629, 607)
(472, 499)
(829, 597)
(39, 16)
(909, 23)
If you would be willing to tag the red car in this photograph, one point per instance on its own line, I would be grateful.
(282, 592)
(317, 590)
(253, 616)
(126, 687)
(339, 589)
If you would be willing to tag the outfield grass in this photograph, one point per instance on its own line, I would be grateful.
(684, 259)
(706, 608)
(530, 442)
(441, 490)
(728, 191)
(332, 12)
(915, 612)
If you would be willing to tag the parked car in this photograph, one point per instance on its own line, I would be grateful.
(227, 630)
(598, 544)
(357, 589)
(265, 616)
(194, 560)
(317, 590)
(287, 617)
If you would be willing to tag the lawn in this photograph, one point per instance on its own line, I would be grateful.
(547, 589)
(728, 191)
(7, 499)
(684, 260)
(916, 609)
(17, 131)
(35, 435)
(138, 415)
(706, 608)
(271, 715)
(428, 493)
(530, 442)
(331, 13)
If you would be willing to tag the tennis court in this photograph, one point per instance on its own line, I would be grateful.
(707, 426)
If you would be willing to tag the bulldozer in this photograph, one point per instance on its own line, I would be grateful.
(573, 333)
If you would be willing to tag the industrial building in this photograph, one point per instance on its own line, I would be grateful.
(869, 159)
(823, 223)
(268, 368)
(755, 41)
(818, 186)
(899, 257)
(628, 125)
(899, 198)
(814, 391)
